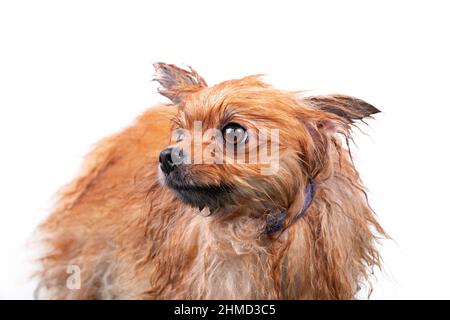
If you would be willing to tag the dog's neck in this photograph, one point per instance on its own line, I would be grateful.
(279, 222)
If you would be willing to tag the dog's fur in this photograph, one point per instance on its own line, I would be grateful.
(133, 237)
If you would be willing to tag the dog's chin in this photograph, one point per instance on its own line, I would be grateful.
(201, 196)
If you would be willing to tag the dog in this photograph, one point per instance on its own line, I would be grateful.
(153, 215)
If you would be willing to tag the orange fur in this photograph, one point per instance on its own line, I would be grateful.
(133, 238)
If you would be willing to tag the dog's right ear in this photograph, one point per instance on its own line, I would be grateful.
(175, 82)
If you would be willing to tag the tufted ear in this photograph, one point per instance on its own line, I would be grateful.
(348, 109)
(176, 83)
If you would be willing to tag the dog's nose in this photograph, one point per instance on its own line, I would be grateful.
(166, 161)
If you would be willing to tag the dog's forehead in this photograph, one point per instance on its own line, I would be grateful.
(228, 101)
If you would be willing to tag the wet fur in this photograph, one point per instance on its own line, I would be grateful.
(133, 238)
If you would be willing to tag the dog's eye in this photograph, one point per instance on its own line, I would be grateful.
(234, 133)
(179, 135)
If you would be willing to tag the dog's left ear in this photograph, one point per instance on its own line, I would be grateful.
(175, 82)
(348, 109)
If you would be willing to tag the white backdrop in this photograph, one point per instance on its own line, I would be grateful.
(73, 72)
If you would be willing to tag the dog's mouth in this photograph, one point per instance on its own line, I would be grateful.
(199, 195)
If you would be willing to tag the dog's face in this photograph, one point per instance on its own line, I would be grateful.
(244, 144)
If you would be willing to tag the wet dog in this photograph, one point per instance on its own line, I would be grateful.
(231, 191)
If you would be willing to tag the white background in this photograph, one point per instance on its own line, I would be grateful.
(72, 72)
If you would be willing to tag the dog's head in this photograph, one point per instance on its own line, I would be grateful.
(242, 143)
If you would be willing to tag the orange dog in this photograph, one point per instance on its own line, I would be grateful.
(236, 191)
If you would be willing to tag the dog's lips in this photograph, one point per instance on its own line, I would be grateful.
(199, 190)
(199, 195)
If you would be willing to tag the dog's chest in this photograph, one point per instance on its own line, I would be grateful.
(229, 264)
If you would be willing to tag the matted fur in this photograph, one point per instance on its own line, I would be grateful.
(133, 238)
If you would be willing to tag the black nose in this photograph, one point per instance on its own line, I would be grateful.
(166, 161)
